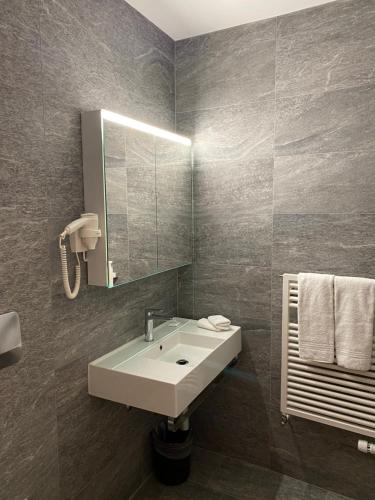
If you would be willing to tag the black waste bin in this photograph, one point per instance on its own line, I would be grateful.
(171, 454)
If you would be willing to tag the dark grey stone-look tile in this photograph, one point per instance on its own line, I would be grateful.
(324, 183)
(350, 19)
(174, 241)
(326, 122)
(326, 48)
(95, 77)
(236, 133)
(71, 52)
(238, 398)
(106, 430)
(229, 66)
(329, 463)
(140, 150)
(21, 124)
(65, 184)
(116, 190)
(333, 63)
(243, 480)
(141, 193)
(114, 144)
(28, 454)
(255, 354)
(142, 223)
(76, 335)
(142, 238)
(152, 489)
(174, 189)
(185, 307)
(155, 76)
(241, 293)
(94, 56)
(204, 465)
(323, 242)
(120, 478)
(20, 64)
(19, 287)
(23, 187)
(174, 210)
(118, 245)
(233, 238)
(169, 153)
(141, 267)
(242, 187)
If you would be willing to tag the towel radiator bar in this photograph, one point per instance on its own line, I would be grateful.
(322, 392)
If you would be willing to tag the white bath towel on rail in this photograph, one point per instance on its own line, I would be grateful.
(354, 321)
(316, 317)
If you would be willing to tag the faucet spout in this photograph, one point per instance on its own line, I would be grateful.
(150, 316)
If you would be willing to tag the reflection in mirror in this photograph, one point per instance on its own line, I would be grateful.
(174, 203)
(148, 185)
(141, 204)
(116, 196)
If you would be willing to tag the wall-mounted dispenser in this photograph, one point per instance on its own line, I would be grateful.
(84, 234)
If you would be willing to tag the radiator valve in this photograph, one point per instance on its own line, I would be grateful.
(366, 447)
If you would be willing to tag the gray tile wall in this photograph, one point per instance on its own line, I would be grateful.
(59, 58)
(282, 112)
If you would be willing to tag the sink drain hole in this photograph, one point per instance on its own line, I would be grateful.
(182, 362)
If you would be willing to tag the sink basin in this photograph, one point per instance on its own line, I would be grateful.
(166, 375)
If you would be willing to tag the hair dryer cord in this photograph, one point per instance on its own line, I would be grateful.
(64, 269)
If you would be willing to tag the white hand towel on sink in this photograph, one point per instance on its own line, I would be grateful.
(219, 322)
(354, 321)
(316, 317)
(206, 325)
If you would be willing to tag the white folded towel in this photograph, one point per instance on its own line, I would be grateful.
(316, 317)
(206, 325)
(354, 321)
(220, 322)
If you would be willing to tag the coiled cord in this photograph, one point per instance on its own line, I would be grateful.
(64, 269)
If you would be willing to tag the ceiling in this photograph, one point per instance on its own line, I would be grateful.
(186, 18)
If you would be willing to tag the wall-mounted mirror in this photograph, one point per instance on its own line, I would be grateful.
(139, 180)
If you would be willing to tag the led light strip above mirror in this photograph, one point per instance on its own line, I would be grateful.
(143, 127)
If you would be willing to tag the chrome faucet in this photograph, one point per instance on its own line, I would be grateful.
(150, 315)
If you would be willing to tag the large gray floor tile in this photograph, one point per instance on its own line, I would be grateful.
(224, 478)
(152, 490)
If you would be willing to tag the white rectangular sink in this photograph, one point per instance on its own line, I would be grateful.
(166, 375)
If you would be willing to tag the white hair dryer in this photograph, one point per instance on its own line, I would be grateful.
(84, 234)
